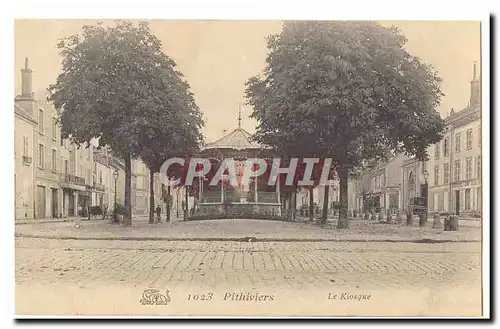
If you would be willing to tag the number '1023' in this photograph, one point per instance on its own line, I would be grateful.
(200, 296)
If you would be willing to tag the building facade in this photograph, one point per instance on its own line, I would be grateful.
(454, 164)
(140, 183)
(55, 178)
(379, 188)
(24, 175)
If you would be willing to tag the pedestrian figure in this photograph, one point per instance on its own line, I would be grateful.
(158, 213)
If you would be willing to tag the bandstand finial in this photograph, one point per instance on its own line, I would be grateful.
(239, 116)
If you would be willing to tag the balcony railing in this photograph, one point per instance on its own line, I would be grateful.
(74, 179)
(99, 187)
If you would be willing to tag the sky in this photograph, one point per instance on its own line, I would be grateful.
(217, 58)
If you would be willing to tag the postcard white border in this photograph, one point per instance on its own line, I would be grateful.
(257, 9)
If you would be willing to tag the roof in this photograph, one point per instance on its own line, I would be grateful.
(23, 113)
(238, 139)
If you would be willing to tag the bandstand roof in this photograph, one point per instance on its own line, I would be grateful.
(238, 139)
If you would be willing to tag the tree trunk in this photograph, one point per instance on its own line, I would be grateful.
(186, 199)
(343, 221)
(151, 197)
(325, 204)
(311, 206)
(168, 203)
(294, 212)
(127, 216)
(290, 205)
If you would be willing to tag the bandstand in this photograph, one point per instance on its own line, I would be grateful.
(252, 199)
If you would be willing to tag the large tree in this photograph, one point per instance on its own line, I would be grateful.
(347, 90)
(174, 131)
(114, 84)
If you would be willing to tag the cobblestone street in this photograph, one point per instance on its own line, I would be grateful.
(60, 266)
(71, 265)
(214, 264)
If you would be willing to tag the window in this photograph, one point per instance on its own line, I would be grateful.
(457, 171)
(54, 128)
(40, 155)
(436, 175)
(100, 176)
(423, 166)
(54, 159)
(479, 136)
(446, 146)
(469, 139)
(457, 142)
(446, 173)
(436, 152)
(25, 146)
(62, 141)
(66, 167)
(467, 199)
(40, 121)
(468, 168)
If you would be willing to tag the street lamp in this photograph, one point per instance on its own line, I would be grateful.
(426, 177)
(115, 177)
(400, 197)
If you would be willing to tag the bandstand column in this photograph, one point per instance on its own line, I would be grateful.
(200, 190)
(222, 190)
(222, 181)
(255, 186)
(278, 188)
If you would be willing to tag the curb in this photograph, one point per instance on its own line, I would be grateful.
(44, 222)
(236, 239)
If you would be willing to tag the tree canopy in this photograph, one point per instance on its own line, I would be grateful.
(118, 86)
(347, 90)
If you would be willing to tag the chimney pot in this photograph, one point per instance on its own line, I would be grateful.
(26, 84)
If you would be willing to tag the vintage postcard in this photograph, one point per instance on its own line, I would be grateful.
(190, 168)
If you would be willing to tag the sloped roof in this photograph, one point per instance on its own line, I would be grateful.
(22, 112)
(238, 139)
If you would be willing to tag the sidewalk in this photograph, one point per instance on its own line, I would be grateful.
(246, 230)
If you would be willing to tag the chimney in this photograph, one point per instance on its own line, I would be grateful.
(26, 89)
(27, 99)
(475, 88)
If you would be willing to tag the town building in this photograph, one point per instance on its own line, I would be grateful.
(103, 179)
(24, 172)
(140, 186)
(53, 177)
(379, 188)
(454, 164)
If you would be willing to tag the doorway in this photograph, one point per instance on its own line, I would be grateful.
(457, 202)
(71, 203)
(40, 201)
(54, 203)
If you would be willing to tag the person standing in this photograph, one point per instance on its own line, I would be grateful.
(158, 213)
